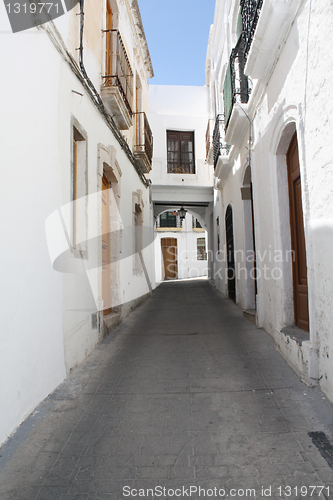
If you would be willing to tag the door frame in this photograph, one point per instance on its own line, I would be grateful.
(175, 245)
(230, 247)
(298, 242)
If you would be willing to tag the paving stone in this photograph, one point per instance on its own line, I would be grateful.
(199, 397)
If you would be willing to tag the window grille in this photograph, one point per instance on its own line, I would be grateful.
(201, 249)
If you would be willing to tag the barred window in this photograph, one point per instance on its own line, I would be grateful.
(201, 249)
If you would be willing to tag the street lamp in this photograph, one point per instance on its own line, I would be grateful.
(182, 213)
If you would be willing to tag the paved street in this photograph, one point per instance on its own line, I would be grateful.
(185, 393)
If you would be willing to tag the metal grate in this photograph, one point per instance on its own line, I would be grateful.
(236, 83)
(144, 136)
(118, 69)
(219, 146)
(250, 10)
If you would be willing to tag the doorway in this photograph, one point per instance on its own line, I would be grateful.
(229, 228)
(169, 254)
(106, 245)
(250, 245)
(299, 267)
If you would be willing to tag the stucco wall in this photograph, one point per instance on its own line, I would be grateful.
(179, 108)
(188, 264)
(47, 320)
(294, 95)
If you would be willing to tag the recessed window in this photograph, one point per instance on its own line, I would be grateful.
(180, 152)
(79, 190)
(201, 249)
(169, 219)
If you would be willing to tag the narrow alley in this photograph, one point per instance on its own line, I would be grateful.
(187, 395)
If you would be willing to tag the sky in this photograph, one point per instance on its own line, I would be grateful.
(177, 33)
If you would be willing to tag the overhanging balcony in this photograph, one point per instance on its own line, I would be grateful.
(220, 147)
(267, 24)
(222, 151)
(143, 148)
(117, 89)
(236, 90)
(250, 10)
(209, 141)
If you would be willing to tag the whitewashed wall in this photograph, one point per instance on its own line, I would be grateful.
(46, 315)
(187, 263)
(175, 107)
(291, 92)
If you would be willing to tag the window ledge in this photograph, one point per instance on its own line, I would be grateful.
(186, 176)
(296, 334)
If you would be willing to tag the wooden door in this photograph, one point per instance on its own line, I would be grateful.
(106, 250)
(109, 21)
(169, 252)
(229, 228)
(300, 281)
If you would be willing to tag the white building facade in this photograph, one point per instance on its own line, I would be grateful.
(180, 247)
(76, 140)
(268, 71)
(181, 178)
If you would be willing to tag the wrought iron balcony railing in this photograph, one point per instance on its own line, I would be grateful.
(143, 148)
(209, 139)
(219, 146)
(118, 69)
(236, 84)
(250, 10)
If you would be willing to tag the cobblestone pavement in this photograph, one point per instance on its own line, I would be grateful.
(186, 393)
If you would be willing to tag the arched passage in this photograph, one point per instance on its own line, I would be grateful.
(181, 247)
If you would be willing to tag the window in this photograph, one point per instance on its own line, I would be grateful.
(169, 219)
(201, 249)
(180, 152)
(196, 224)
(79, 190)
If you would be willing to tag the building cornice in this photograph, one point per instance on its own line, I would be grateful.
(141, 34)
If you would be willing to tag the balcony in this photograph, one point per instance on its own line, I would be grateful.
(236, 90)
(143, 147)
(209, 141)
(117, 89)
(250, 10)
(219, 146)
(267, 25)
